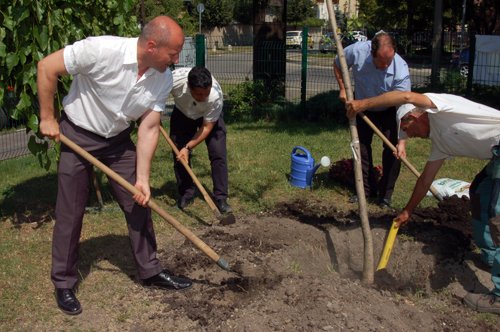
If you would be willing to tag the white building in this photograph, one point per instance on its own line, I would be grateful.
(348, 7)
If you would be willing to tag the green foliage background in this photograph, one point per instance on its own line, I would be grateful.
(32, 29)
(174, 8)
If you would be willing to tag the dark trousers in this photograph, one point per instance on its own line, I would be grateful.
(182, 130)
(385, 121)
(74, 172)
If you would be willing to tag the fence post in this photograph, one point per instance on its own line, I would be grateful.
(303, 74)
(200, 50)
(472, 54)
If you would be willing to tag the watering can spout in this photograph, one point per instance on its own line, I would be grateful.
(325, 162)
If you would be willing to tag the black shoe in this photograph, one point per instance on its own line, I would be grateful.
(183, 202)
(223, 206)
(164, 280)
(353, 199)
(385, 204)
(67, 301)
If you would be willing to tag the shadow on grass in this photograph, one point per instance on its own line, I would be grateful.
(294, 127)
(30, 201)
(34, 200)
(112, 248)
(169, 189)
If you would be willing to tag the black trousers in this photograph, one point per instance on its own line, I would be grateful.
(385, 121)
(73, 176)
(182, 130)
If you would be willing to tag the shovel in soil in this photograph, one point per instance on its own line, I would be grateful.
(225, 219)
(389, 243)
(133, 190)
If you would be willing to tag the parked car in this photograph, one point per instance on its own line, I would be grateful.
(294, 39)
(460, 60)
(359, 35)
(327, 43)
(352, 37)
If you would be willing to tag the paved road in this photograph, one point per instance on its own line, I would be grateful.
(234, 68)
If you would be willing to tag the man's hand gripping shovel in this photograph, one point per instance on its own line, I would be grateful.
(225, 219)
(221, 262)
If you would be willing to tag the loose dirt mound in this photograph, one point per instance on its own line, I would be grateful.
(299, 269)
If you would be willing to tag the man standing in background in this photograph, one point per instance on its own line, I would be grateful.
(197, 117)
(377, 69)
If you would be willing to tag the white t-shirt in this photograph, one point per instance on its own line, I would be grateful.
(105, 95)
(462, 128)
(209, 110)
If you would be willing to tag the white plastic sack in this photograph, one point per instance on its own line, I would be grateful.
(449, 187)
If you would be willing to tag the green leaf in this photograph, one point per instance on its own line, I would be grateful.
(44, 38)
(3, 49)
(12, 59)
(8, 22)
(118, 20)
(33, 146)
(39, 10)
(33, 123)
(23, 16)
(47, 162)
(24, 102)
(22, 58)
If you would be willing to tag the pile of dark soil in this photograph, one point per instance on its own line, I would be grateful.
(299, 268)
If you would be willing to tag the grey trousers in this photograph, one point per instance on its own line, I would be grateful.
(74, 173)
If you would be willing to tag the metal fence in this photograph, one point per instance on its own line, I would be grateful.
(309, 72)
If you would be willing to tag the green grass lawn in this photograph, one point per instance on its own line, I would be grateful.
(259, 164)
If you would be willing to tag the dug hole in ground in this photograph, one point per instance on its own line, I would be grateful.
(299, 268)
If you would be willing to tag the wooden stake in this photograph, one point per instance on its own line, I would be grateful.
(368, 265)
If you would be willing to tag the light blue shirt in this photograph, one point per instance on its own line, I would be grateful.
(370, 81)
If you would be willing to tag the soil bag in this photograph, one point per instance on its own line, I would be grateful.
(449, 187)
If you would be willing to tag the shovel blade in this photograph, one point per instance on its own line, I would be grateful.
(389, 243)
(227, 219)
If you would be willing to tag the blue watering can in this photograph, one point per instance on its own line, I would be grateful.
(303, 168)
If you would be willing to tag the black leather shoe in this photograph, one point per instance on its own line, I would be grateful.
(67, 301)
(353, 199)
(183, 202)
(223, 206)
(385, 204)
(164, 280)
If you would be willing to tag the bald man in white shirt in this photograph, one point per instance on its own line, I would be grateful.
(197, 117)
(116, 81)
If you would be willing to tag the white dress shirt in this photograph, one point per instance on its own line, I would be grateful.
(210, 110)
(461, 127)
(105, 95)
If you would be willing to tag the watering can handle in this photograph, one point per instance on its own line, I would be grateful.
(308, 154)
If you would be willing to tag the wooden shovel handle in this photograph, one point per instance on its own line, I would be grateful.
(184, 163)
(133, 190)
(403, 159)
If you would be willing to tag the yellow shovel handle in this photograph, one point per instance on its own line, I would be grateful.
(386, 253)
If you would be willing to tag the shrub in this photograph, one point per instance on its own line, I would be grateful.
(325, 106)
(255, 100)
